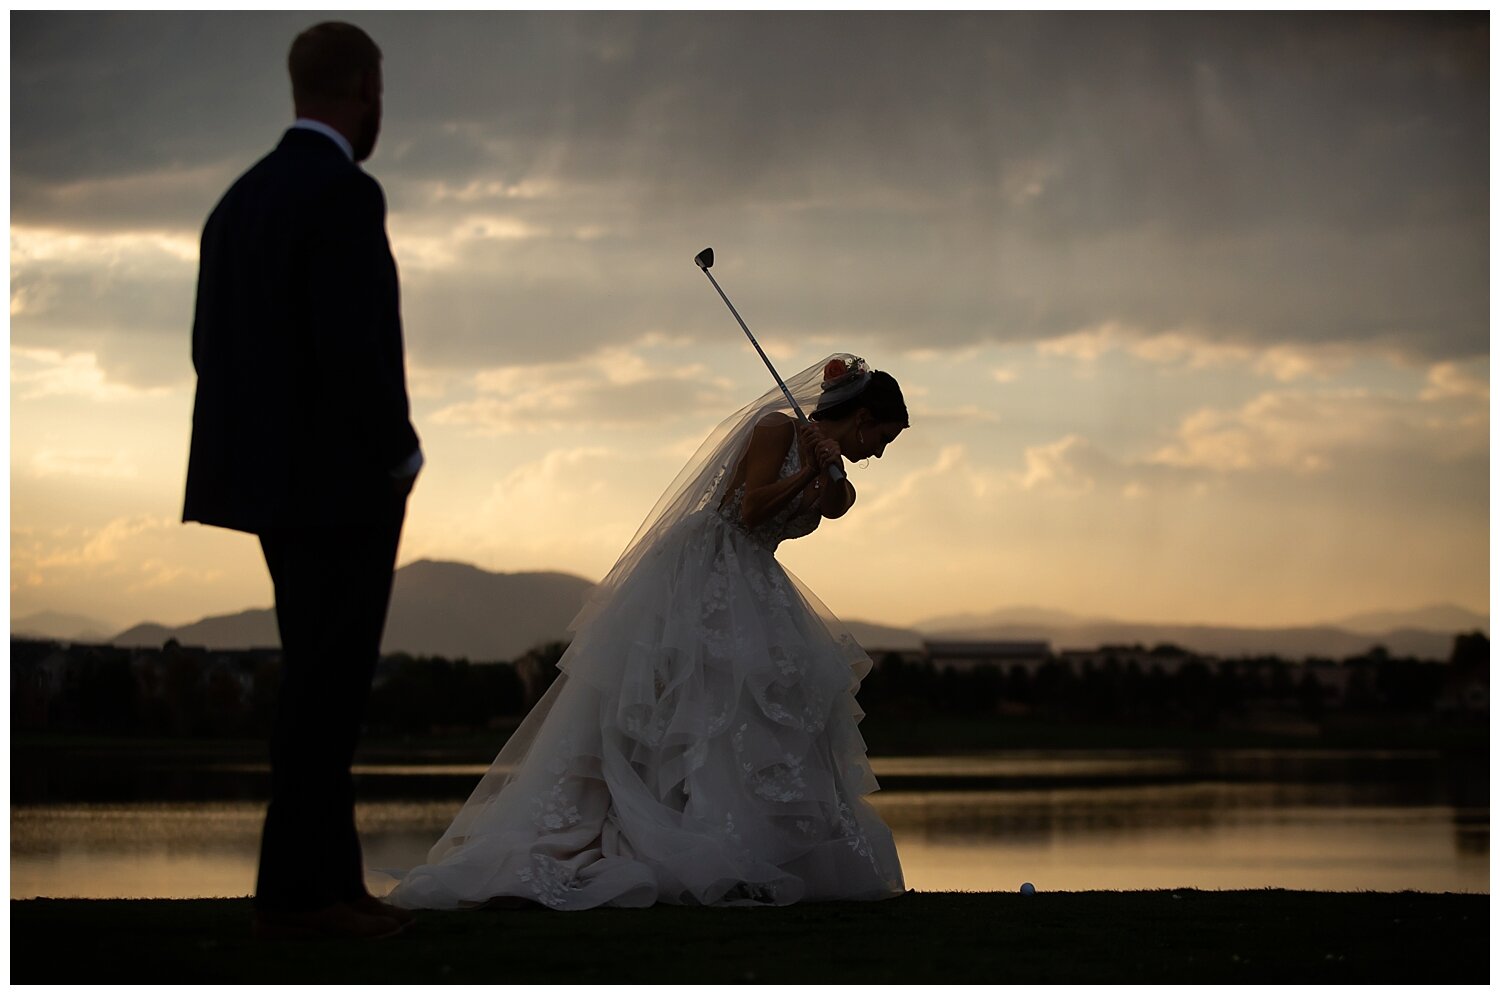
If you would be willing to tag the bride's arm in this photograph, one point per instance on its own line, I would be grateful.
(832, 498)
(766, 491)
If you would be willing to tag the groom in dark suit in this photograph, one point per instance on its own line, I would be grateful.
(302, 436)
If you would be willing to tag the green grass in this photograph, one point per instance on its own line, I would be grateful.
(1098, 937)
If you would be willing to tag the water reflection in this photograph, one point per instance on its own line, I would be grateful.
(1351, 777)
(1211, 834)
(1201, 836)
(167, 850)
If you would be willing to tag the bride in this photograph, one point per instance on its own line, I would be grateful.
(700, 746)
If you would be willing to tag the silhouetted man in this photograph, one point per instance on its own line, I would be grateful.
(302, 436)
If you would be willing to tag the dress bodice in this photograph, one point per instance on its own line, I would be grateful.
(791, 522)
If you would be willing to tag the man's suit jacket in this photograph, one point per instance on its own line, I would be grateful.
(301, 410)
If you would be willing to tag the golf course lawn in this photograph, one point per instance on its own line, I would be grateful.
(934, 937)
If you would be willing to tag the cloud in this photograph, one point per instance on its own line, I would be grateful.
(964, 414)
(84, 463)
(942, 178)
(162, 197)
(40, 373)
(123, 297)
(126, 567)
(1450, 381)
(1068, 465)
(1082, 346)
(1312, 431)
(568, 475)
(952, 461)
(1287, 363)
(1074, 466)
(572, 509)
(1185, 351)
(86, 547)
(612, 389)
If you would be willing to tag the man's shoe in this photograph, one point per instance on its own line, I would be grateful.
(339, 921)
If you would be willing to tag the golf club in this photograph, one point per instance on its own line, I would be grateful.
(705, 260)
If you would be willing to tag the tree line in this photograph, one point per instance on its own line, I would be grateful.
(178, 691)
(1118, 687)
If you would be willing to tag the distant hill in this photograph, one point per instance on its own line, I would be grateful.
(1435, 618)
(437, 609)
(457, 610)
(1050, 618)
(59, 626)
(253, 628)
(883, 637)
(1289, 643)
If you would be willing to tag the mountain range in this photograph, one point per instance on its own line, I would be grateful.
(451, 610)
(457, 610)
(59, 625)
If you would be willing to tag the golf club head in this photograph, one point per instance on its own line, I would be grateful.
(704, 259)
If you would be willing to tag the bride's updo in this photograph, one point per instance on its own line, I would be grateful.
(848, 385)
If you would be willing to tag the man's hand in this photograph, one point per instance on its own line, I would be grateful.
(405, 475)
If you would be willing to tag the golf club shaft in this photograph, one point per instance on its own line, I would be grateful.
(764, 358)
(834, 470)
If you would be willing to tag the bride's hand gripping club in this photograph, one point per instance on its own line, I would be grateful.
(823, 449)
(705, 260)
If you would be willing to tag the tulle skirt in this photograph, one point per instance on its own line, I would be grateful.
(700, 748)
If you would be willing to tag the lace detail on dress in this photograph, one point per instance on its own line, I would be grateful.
(791, 522)
(854, 836)
(551, 881)
(781, 781)
(554, 809)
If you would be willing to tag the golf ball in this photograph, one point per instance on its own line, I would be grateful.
(1028, 888)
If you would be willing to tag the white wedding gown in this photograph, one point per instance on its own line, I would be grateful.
(699, 748)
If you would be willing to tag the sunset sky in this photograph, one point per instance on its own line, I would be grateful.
(1191, 311)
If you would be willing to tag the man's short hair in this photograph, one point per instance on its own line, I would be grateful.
(328, 60)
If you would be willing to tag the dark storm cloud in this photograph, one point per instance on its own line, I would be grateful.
(928, 179)
(1204, 124)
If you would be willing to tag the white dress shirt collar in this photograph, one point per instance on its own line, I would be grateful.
(323, 129)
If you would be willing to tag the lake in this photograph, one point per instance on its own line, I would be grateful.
(1064, 820)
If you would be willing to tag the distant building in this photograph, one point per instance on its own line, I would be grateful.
(907, 656)
(1165, 659)
(963, 656)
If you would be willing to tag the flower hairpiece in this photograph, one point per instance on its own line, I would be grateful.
(841, 371)
(843, 377)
